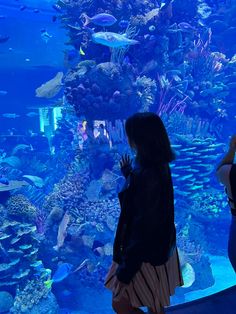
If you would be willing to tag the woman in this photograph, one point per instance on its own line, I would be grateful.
(226, 173)
(145, 269)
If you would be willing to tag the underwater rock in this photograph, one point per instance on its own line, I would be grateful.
(6, 301)
(50, 88)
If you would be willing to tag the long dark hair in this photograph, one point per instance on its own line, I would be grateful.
(148, 133)
(233, 182)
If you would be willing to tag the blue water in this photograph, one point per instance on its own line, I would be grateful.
(61, 205)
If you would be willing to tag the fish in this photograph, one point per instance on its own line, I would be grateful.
(44, 273)
(54, 18)
(25, 246)
(32, 114)
(152, 28)
(150, 66)
(4, 39)
(4, 181)
(57, 8)
(3, 92)
(186, 27)
(34, 180)
(74, 27)
(14, 262)
(51, 88)
(22, 8)
(45, 35)
(101, 19)
(188, 149)
(3, 251)
(63, 271)
(188, 176)
(188, 275)
(37, 265)
(21, 274)
(62, 231)
(123, 23)
(112, 40)
(82, 53)
(4, 236)
(10, 115)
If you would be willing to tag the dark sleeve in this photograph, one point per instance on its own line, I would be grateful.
(145, 198)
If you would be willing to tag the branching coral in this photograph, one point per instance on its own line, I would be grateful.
(146, 91)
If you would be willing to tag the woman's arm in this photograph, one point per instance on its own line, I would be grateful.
(145, 195)
(229, 157)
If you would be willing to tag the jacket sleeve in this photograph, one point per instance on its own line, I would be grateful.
(144, 201)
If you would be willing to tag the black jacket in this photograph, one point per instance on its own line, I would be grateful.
(146, 230)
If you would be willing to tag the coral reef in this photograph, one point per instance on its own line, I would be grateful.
(34, 298)
(102, 91)
(19, 248)
(19, 208)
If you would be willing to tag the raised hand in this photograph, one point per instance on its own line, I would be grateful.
(126, 165)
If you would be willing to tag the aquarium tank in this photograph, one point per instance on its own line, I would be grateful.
(71, 72)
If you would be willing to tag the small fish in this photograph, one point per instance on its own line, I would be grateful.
(112, 40)
(152, 28)
(10, 115)
(102, 19)
(61, 273)
(123, 24)
(57, 8)
(149, 67)
(4, 181)
(74, 27)
(25, 246)
(4, 236)
(3, 92)
(186, 27)
(36, 10)
(2, 17)
(82, 53)
(44, 273)
(14, 262)
(22, 8)
(4, 39)
(32, 114)
(45, 35)
(37, 265)
(54, 18)
(188, 149)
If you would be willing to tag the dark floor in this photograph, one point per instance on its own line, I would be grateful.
(223, 302)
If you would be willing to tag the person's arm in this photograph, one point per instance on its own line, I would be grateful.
(145, 202)
(126, 165)
(229, 157)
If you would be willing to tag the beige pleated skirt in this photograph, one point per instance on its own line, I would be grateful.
(151, 286)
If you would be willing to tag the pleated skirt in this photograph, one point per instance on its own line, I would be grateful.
(151, 286)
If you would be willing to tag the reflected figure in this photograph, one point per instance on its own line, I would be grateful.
(226, 173)
(145, 269)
